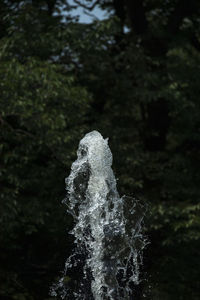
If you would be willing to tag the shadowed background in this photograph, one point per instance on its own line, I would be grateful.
(129, 69)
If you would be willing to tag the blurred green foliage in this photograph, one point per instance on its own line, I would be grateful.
(134, 77)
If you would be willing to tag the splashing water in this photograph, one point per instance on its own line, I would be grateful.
(107, 231)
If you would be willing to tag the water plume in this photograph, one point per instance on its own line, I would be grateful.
(107, 231)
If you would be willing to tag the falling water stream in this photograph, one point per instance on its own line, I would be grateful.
(108, 239)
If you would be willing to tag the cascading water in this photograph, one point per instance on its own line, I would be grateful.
(107, 231)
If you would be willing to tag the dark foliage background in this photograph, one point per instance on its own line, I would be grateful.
(135, 78)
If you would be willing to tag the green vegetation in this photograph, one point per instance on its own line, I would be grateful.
(140, 87)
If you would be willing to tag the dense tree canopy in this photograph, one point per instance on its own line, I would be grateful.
(134, 77)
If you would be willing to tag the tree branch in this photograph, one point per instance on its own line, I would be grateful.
(90, 15)
(136, 13)
(85, 6)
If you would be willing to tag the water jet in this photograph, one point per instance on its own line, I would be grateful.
(107, 232)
